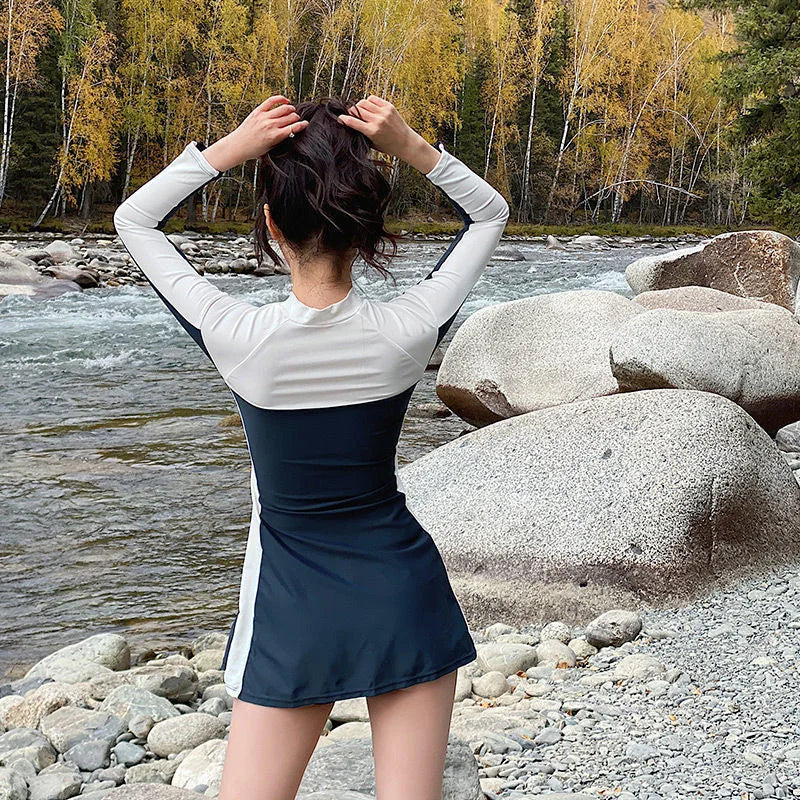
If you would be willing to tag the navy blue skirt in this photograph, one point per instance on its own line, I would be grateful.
(344, 594)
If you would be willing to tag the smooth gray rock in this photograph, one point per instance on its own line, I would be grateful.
(159, 771)
(510, 358)
(351, 710)
(334, 795)
(128, 702)
(128, 753)
(571, 511)
(556, 653)
(109, 651)
(71, 725)
(348, 766)
(176, 682)
(55, 783)
(505, 657)
(749, 356)
(492, 684)
(60, 252)
(89, 755)
(13, 785)
(207, 659)
(214, 640)
(613, 628)
(28, 744)
(201, 770)
(639, 665)
(183, 733)
(764, 265)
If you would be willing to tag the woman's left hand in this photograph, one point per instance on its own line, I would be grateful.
(265, 126)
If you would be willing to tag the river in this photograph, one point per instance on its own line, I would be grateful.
(125, 503)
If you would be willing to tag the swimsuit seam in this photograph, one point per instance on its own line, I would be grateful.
(256, 346)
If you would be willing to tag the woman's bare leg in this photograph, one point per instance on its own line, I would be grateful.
(410, 727)
(269, 749)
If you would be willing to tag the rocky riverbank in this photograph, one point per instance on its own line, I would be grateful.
(44, 265)
(640, 704)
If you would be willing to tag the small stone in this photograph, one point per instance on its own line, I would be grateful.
(492, 684)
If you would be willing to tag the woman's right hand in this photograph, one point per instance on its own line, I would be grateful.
(382, 124)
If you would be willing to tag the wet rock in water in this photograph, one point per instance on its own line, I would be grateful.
(348, 766)
(554, 244)
(574, 510)
(16, 277)
(749, 356)
(60, 252)
(505, 252)
(85, 278)
(589, 242)
(764, 265)
(702, 298)
(613, 628)
(510, 358)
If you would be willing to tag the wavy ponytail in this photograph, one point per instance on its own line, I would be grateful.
(326, 194)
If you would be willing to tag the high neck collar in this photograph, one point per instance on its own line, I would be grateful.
(307, 315)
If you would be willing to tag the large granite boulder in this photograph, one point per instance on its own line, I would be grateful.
(523, 355)
(764, 265)
(702, 298)
(749, 356)
(347, 765)
(570, 511)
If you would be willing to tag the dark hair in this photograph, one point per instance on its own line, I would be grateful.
(324, 190)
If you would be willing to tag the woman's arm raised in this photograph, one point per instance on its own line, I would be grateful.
(224, 327)
(483, 211)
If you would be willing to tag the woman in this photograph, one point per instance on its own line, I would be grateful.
(343, 593)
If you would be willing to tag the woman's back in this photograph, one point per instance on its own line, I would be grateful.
(334, 557)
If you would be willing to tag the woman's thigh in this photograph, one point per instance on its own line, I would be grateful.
(269, 749)
(410, 727)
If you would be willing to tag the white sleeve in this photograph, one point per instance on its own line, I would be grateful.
(225, 328)
(484, 212)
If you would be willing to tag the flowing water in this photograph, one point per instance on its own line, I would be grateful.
(125, 490)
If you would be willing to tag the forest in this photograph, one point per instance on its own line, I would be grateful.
(580, 111)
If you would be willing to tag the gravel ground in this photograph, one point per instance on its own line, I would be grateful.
(723, 721)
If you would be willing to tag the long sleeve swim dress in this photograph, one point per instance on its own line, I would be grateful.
(343, 592)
